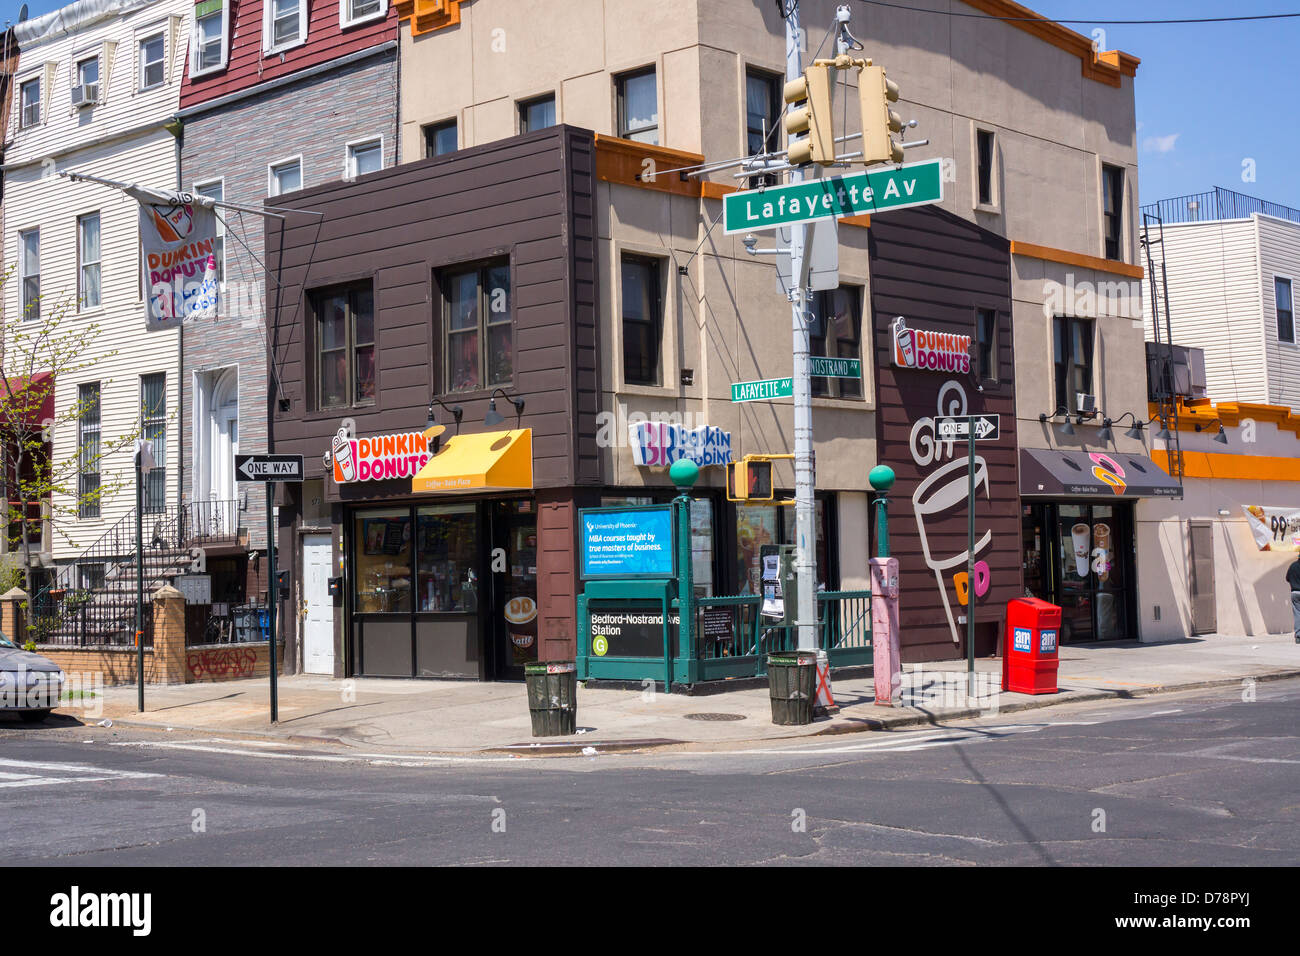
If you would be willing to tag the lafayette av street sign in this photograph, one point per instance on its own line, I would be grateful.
(857, 194)
(987, 427)
(268, 468)
(758, 391)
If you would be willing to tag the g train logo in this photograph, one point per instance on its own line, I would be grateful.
(1107, 469)
(930, 351)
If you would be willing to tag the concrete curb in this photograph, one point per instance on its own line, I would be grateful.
(566, 747)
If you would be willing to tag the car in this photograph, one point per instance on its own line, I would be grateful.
(29, 684)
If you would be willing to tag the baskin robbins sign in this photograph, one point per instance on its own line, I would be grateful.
(930, 351)
(659, 444)
(379, 458)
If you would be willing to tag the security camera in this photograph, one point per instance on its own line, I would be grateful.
(751, 243)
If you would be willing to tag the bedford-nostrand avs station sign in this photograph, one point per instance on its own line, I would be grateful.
(834, 197)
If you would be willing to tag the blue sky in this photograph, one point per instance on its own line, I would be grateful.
(1209, 96)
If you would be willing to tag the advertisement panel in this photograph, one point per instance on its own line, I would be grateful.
(627, 542)
(1274, 529)
(178, 256)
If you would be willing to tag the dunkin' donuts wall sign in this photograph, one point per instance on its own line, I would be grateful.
(930, 351)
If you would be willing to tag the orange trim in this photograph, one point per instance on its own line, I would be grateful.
(625, 161)
(429, 15)
(711, 190)
(864, 221)
(1201, 464)
(1076, 259)
(1106, 67)
(1204, 412)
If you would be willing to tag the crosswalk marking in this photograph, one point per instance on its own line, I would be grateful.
(42, 773)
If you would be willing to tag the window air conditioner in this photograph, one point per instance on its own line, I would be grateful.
(87, 94)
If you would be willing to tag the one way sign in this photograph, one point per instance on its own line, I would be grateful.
(987, 427)
(268, 468)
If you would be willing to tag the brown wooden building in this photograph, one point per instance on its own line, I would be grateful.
(468, 279)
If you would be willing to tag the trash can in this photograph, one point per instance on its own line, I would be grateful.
(791, 681)
(552, 697)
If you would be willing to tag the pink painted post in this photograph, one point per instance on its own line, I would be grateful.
(887, 666)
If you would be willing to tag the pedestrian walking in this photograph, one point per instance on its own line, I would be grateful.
(1293, 579)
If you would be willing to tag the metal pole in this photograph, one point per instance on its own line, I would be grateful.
(139, 582)
(272, 592)
(882, 525)
(970, 562)
(805, 513)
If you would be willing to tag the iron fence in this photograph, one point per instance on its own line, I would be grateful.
(1217, 203)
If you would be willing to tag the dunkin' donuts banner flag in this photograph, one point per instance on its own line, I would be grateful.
(1275, 529)
(178, 243)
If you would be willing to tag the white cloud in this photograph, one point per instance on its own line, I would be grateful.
(1161, 144)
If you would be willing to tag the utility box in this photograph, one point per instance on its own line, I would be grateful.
(1030, 658)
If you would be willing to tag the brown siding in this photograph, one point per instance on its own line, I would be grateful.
(528, 198)
(936, 270)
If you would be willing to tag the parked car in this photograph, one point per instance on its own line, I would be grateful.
(29, 684)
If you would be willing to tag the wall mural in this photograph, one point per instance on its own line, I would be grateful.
(943, 490)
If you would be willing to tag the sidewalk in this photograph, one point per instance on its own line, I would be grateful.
(455, 716)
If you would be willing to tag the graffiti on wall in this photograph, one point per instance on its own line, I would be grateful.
(944, 490)
(223, 663)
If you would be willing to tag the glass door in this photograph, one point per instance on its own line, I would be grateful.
(1092, 585)
(514, 611)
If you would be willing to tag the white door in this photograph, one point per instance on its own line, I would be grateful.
(318, 625)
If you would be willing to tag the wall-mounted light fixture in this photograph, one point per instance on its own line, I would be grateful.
(493, 417)
(1221, 438)
(1066, 427)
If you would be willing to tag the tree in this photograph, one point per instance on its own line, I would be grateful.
(37, 353)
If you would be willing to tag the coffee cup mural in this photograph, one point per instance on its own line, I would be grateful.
(1101, 551)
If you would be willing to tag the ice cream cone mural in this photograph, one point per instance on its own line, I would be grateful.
(1101, 551)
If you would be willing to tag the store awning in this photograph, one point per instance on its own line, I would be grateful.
(1047, 472)
(489, 461)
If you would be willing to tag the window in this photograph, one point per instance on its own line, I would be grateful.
(152, 64)
(345, 346)
(984, 150)
(537, 114)
(87, 82)
(836, 332)
(638, 107)
(762, 107)
(284, 24)
(153, 419)
(1285, 317)
(642, 320)
(439, 139)
(477, 327)
(360, 11)
(1072, 352)
(986, 345)
(1113, 205)
(365, 157)
(29, 271)
(216, 190)
(209, 36)
(285, 177)
(91, 576)
(30, 99)
(88, 450)
(88, 261)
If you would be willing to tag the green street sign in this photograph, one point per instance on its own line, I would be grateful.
(834, 197)
(757, 391)
(836, 367)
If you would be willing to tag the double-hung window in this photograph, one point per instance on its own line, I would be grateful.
(1112, 182)
(439, 139)
(345, 346)
(153, 421)
(638, 106)
(762, 107)
(537, 114)
(284, 177)
(88, 450)
(29, 273)
(216, 190)
(210, 47)
(365, 157)
(1285, 315)
(478, 333)
(352, 12)
(1072, 355)
(986, 345)
(88, 284)
(284, 24)
(984, 156)
(29, 98)
(87, 82)
(153, 61)
(836, 332)
(642, 320)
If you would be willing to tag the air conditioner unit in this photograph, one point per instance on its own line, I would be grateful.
(87, 94)
(1085, 404)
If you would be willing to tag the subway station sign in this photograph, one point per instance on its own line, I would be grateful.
(834, 197)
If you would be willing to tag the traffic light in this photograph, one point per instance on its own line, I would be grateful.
(749, 479)
(876, 92)
(812, 116)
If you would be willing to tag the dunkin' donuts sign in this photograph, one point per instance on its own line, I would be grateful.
(930, 351)
(378, 458)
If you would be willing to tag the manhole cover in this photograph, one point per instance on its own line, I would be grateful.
(715, 716)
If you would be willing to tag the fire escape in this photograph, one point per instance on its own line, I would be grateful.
(1160, 374)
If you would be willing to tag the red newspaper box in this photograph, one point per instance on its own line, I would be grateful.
(1029, 658)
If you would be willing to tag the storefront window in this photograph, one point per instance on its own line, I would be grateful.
(447, 550)
(758, 525)
(702, 546)
(383, 561)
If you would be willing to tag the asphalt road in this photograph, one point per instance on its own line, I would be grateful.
(1194, 778)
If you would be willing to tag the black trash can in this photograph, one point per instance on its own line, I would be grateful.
(791, 682)
(552, 697)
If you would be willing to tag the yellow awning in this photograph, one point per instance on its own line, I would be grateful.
(488, 461)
